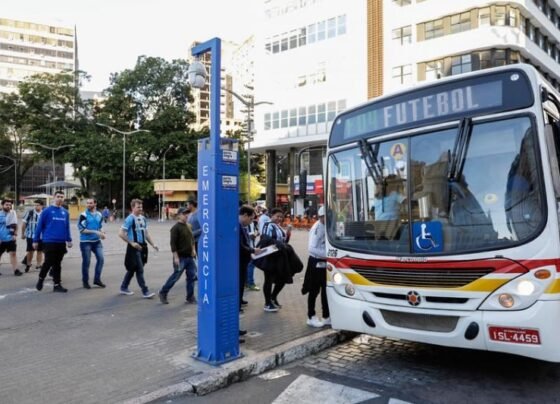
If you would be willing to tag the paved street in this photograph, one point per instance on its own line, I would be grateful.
(91, 346)
(375, 370)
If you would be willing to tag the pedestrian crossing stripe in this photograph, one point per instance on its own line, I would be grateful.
(310, 390)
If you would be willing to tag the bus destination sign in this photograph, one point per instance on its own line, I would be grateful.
(461, 98)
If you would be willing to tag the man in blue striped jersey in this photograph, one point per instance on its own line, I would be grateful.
(28, 226)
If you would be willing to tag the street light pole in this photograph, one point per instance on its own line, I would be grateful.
(163, 192)
(52, 149)
(124, 134)
(250, 104)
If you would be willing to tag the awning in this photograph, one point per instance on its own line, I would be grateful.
(60, 184)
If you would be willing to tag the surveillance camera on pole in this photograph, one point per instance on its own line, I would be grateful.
(197, 74)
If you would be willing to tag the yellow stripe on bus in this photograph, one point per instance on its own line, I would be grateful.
(554, 287)
(480, 285)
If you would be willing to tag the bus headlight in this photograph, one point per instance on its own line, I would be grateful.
(525, 287)
(521, 292)
(506, 300)
(337, 278)
(342, 285)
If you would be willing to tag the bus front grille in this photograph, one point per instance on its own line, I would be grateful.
(423, 322)
(429, 277)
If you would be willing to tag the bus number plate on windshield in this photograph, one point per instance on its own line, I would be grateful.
(515, 335)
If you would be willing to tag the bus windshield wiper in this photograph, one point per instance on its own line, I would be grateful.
(457, 159)
(370, 158)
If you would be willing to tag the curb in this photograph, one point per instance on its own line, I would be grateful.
(246, 367)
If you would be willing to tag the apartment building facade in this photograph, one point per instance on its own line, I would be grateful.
(28, 48)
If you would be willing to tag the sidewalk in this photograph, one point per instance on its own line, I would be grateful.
(93, 346)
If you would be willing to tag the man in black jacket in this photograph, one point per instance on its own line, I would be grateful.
(246, 216)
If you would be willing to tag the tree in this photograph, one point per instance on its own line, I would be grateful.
(154, 96)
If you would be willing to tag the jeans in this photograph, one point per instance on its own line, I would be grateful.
(185, 263)
(251, 273)
(86, 248)
(138, 270)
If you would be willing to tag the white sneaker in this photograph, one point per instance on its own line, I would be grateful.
(148, 295)
(326, 321)
(126, 292)
(314, 322)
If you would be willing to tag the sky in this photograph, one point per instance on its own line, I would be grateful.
(113, 33)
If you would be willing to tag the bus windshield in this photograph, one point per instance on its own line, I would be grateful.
(470, 187)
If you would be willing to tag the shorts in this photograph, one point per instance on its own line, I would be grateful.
(30, 245)
(8, 246)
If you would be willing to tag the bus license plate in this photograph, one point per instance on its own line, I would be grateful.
(515, 335)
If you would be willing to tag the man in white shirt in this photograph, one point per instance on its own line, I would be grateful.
(263, 218)
(315, 280)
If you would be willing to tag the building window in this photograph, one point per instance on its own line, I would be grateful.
(341, 106)
(402, 74)
(460, 22)
(331, 111)
(341, 25)
(402, 2)
(293, 117)
(284, 44)
(302, 37)
(321, 30)
(302, 116)
(284, 118)
(433, 29)
(321, 113)
(402, 35)
(267, 123)
(500, 15)
(434, 70)
(331, 28)
(513, 15)
(311, 115)
(293, 39)
(275, 120)
(461, 64)
(311, 33)
(485, 59)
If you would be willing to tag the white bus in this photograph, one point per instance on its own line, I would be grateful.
(443, 214)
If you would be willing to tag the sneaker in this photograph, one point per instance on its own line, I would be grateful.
(86, 285)
(17, 272)
(326, 321)
(99, 283)
(314, 322)
(270, 308)
(244, 302)
(59, 288)
(242, 332)
(275, 302)
(148, 295)
(254, 288)
(27, 268)
(127, 292)
(191, 300)
(39, 285)
(241, 340)
(163, 298)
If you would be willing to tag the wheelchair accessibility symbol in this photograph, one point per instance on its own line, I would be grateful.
(428, 237)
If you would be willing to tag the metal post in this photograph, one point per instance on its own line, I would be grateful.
(123, 174)
(249, 104)
(163, 198)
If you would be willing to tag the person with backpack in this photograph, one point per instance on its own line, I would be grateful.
(28, 226)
